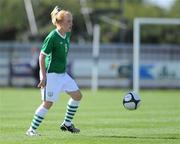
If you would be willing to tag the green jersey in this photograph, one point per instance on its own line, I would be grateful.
(56, 48)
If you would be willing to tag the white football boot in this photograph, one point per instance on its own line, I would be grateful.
(30, 132)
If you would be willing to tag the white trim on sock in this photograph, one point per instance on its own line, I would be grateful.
(41, 111)
(73, 102)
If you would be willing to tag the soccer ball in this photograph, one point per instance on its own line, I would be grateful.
(131, 101)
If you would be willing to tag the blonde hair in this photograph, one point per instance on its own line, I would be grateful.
(57, 15)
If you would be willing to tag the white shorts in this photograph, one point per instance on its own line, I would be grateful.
(55, 84)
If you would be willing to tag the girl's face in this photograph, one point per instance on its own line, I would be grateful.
(66, 24)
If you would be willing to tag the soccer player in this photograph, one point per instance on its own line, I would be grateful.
(53, 76)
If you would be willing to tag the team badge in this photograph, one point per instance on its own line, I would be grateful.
(50, 94)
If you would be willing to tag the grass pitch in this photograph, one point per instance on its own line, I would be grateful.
(101, 117)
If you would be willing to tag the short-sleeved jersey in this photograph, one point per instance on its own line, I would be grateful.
(56, 48)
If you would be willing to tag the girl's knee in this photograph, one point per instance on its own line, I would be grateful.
(79, 96)
(47, 104)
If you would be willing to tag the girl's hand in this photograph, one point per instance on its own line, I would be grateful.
(42, 83)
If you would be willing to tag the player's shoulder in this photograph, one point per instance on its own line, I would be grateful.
(52, 33)
(50, 36)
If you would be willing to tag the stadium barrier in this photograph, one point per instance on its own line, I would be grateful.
(159, 65)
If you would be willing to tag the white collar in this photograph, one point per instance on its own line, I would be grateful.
(60, 34)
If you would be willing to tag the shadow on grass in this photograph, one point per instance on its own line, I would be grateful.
(138, 137)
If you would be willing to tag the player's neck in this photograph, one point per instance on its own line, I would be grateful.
(60, 30)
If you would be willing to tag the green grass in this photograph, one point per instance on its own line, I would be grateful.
(101, 117)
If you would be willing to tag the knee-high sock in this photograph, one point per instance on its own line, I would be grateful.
(38, 117)
(72, 107)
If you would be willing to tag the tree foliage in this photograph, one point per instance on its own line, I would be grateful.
(14, 22)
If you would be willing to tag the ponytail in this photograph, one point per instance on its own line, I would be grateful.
(57, 15)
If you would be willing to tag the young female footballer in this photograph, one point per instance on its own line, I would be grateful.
(53, 76)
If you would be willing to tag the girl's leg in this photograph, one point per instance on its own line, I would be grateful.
(72, 107)
(38, 117)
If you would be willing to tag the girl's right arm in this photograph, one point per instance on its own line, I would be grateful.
(42, 82)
